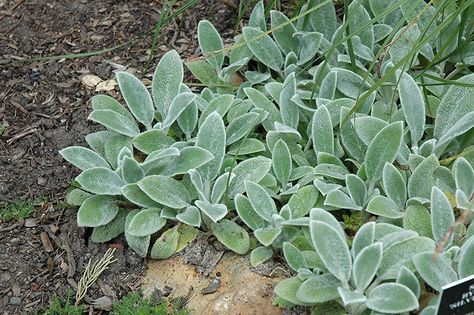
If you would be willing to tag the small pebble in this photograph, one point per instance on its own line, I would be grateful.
(15, 300)
(42, 181)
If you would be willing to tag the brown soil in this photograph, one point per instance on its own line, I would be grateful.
(44, 106)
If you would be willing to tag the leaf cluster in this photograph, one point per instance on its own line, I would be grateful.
(296, 127)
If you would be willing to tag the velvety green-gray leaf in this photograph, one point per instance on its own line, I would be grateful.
(190, 216)
(135, 195)
(383, 149)
(392, 298)
(100, 181)
(152, 140)
(293, 256)
(324, 19)
(260, 200)
(253, 169)
(137, 97)
(263, 47)
(166, 191)
(107, 102)
(178, 105)
(146, 222)
(211, 43)
(287, 290)
(240, 127)
(139, 244)
(303, 201)
(282, 163)
(394, 185)
(247, 214)
(212, 137)
(189, 158)
(319, 289)
(232, 236)
(442, 215)
(115, 121)
(457, 102)
(357, 189)
(97, 210)
(332, 248)
(259, 100)
(220, 104)
(114, 228)
(417, 218)
(366, 264)
(340, 200)
(385, 207)
(167, 81)
(364, 237)
(413, 106)
(267, 235)
(435, 271)
(83, 158)
(408, 279)
(400, 254)
(165, 245)
(422, 178)
(466, 258)
(214, 211)
(260, 255)
(322, 132)
(284, 35)
(288, 108)
(359, 16)
(131, 171)
(464, 176)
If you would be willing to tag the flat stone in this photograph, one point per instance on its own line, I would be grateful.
(42, 181)
(15, 300)
(241, 290)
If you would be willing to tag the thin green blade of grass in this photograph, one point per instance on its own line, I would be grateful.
(387, 45)
(158, 26)
(402, 62)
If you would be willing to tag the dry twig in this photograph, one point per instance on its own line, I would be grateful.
(92, 272)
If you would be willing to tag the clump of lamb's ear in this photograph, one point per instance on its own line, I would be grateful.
(338, 146)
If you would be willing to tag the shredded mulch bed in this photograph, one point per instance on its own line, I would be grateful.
(44, 106)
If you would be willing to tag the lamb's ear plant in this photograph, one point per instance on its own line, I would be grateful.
(302, 122)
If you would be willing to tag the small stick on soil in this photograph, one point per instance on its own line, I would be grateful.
(11, 227)
(10, 156)
(42, 273)
(6, 94)
(69, 254)
(21, 108)
(25, 133)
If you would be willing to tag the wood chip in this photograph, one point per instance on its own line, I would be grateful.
(48, 247)
(31, 223)
(54, 228)
(50, 265)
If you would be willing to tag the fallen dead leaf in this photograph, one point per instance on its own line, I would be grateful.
(108, 85)
(91, 80)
